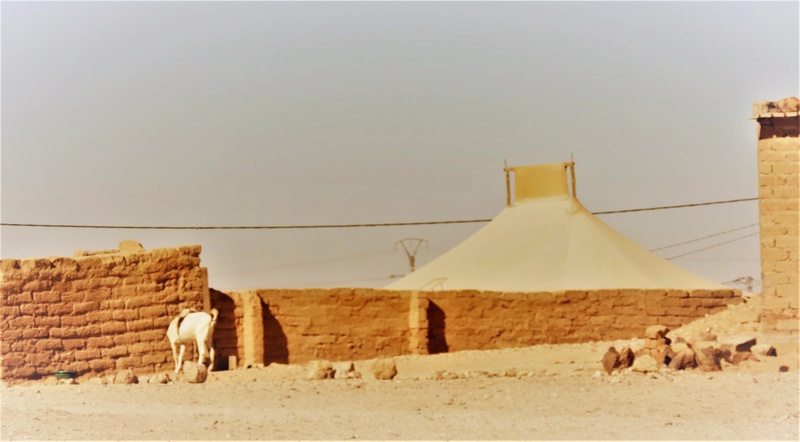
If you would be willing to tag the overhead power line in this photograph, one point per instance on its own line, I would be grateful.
(711, 247)
(702, 238)
(338, 226)
(676, 207)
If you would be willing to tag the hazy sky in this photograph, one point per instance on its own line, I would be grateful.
(266, 113)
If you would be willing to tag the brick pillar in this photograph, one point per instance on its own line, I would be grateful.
(253, 327)
(779, 193)
(418, 324)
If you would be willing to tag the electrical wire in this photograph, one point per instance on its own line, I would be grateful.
(340, 226)
(711, 247)
(702, 238)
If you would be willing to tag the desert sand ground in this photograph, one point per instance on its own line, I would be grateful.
(540, 392)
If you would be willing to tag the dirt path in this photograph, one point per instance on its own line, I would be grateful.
(541, 392)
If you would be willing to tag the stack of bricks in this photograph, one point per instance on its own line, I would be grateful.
(779, 193)
(97, 312)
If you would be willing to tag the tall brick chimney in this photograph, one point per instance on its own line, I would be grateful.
(779, 216)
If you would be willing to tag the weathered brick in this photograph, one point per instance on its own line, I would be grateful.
(39, 359)
(35, 332)
(115, 327)
(138, 301)
(154, 358)
(8, 288)
(19, 299)
(125, 315)
(74, 344)
(62, 333)
(140, 324)
(47, 321)
(59, 309)
(775, 303)
(153, 335)
(14, 311)
(46, 297)
(85, 307)
(12, 361)
(11, 335)
(72, 296)
(73, 321)
(78, 366)
(115, 304)
(101, 365)
(49, 344)
(123, 291)
(126, 339)
(128, 362)
(153, 311)
(162, 322)
(88, 354)
(38, 285)
(99, 317)
(115, 352)
(140, 348)
(100, 342)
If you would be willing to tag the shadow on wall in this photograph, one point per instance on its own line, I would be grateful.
(437, 340)
(276, 348)
(226, 341)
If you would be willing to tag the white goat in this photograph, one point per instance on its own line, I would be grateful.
(193, 326)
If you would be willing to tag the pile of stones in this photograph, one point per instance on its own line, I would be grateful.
(705, 352)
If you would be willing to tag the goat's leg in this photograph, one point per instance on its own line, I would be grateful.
(211, 358)
(201, 350)
(180, 359)
(175, 356)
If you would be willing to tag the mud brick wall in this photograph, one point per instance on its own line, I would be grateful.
(334, 324)
(474, 320)
(296, 326)
(95, 313)
(230, 325)
(779, 214)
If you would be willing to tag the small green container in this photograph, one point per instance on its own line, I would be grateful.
(61, 374)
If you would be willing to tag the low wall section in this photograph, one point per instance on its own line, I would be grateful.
(295, 326)
(95, 313)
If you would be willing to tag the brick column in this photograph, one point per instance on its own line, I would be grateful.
(779, 193)
(253, 325)
(418, 324)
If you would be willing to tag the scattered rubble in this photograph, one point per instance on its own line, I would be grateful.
(160, 378)
(126, 377)
(704, 351)
(346, 370)
(318, 370)
(384, 369)
(193, 373)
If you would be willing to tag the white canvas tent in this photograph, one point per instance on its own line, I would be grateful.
(547, 241)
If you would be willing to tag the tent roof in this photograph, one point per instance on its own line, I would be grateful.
(547, 241)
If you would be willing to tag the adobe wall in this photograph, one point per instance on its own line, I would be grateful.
(96, 312)
(229, 328)
(295, 326)
(472, 320)
(779, 216)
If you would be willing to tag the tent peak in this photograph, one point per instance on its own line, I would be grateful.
(540, 181)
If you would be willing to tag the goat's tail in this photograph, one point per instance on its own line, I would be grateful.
(214, 314)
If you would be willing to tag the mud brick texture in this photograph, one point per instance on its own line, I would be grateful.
(95, 313)
(779, 216)
(301, 325)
